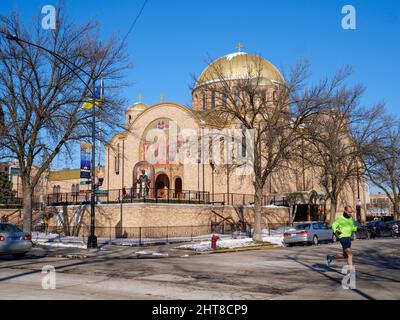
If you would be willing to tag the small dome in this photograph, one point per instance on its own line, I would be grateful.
(236, 66)
(138, 106)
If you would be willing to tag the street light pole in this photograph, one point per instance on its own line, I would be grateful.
(92, 240)
(358, 206)
(212, 164)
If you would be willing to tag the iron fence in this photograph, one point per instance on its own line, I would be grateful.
(138, 236)
(118, 196)
(129, 196)
(246, 199)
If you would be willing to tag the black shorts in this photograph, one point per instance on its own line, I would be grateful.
(346, 243)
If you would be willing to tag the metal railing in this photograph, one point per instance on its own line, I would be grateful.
(129, 196)
(160, 196)
(17, 203)
(246, 199)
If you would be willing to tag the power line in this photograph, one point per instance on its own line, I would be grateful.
(135, 21)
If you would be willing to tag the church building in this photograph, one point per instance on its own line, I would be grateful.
(152, 149)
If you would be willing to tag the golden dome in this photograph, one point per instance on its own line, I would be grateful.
(237, 66)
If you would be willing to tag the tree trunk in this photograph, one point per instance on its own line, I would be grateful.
(332, 217)
(27, 207)
(396, 209)
(257, 235)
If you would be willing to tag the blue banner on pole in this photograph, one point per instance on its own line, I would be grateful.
(86, 151)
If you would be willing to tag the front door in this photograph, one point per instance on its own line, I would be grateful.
(162, 186)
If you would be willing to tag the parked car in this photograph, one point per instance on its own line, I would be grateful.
(395, 225)
(363, 232)
(309, 233)
(13, 241)
(379, 229)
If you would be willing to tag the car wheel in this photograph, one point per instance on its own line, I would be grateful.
(18, 256)
(315, 241)
(392, 234)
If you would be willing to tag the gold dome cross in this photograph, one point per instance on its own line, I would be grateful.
(239, 47)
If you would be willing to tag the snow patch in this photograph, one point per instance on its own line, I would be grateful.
(222, 244)
(229, 57)
(274, 236)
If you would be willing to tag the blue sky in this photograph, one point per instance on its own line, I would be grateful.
(173, 39)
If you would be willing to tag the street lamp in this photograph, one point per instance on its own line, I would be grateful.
(358, 206)
(92, 240)
(212, 164)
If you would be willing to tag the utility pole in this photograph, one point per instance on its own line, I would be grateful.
(92, 240)
(358, 206)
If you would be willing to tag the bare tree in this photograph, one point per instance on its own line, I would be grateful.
(41, 97)
(274, 111)
(382, 162)
(335, 139)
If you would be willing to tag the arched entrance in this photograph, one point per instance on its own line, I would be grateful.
(162, 186)
(178, 187)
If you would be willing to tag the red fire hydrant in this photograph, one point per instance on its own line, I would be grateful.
(214, 240)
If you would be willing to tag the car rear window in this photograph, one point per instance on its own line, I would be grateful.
(303, 227)
(9, 228)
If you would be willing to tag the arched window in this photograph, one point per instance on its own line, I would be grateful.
(274, 96)
(213, 99)
(204, 101)
(224, 100)
(75, 189)
(222, 149)
(237, 98)
(244, 142)
(130, 118)
(210, 148)
(117, 156)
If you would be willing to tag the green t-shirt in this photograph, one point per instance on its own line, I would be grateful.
(345, 225)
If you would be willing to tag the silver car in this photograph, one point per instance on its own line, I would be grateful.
(13, 241)
(309, 233)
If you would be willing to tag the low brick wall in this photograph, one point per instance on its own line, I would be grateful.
(112, 219)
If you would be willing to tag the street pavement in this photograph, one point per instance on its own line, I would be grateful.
(164, 272)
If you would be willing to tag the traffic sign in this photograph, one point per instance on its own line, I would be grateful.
(102, 192)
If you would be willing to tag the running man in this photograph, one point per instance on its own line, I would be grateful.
(344, 227)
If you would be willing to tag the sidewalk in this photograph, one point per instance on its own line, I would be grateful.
(110, 251)
(52, 245)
